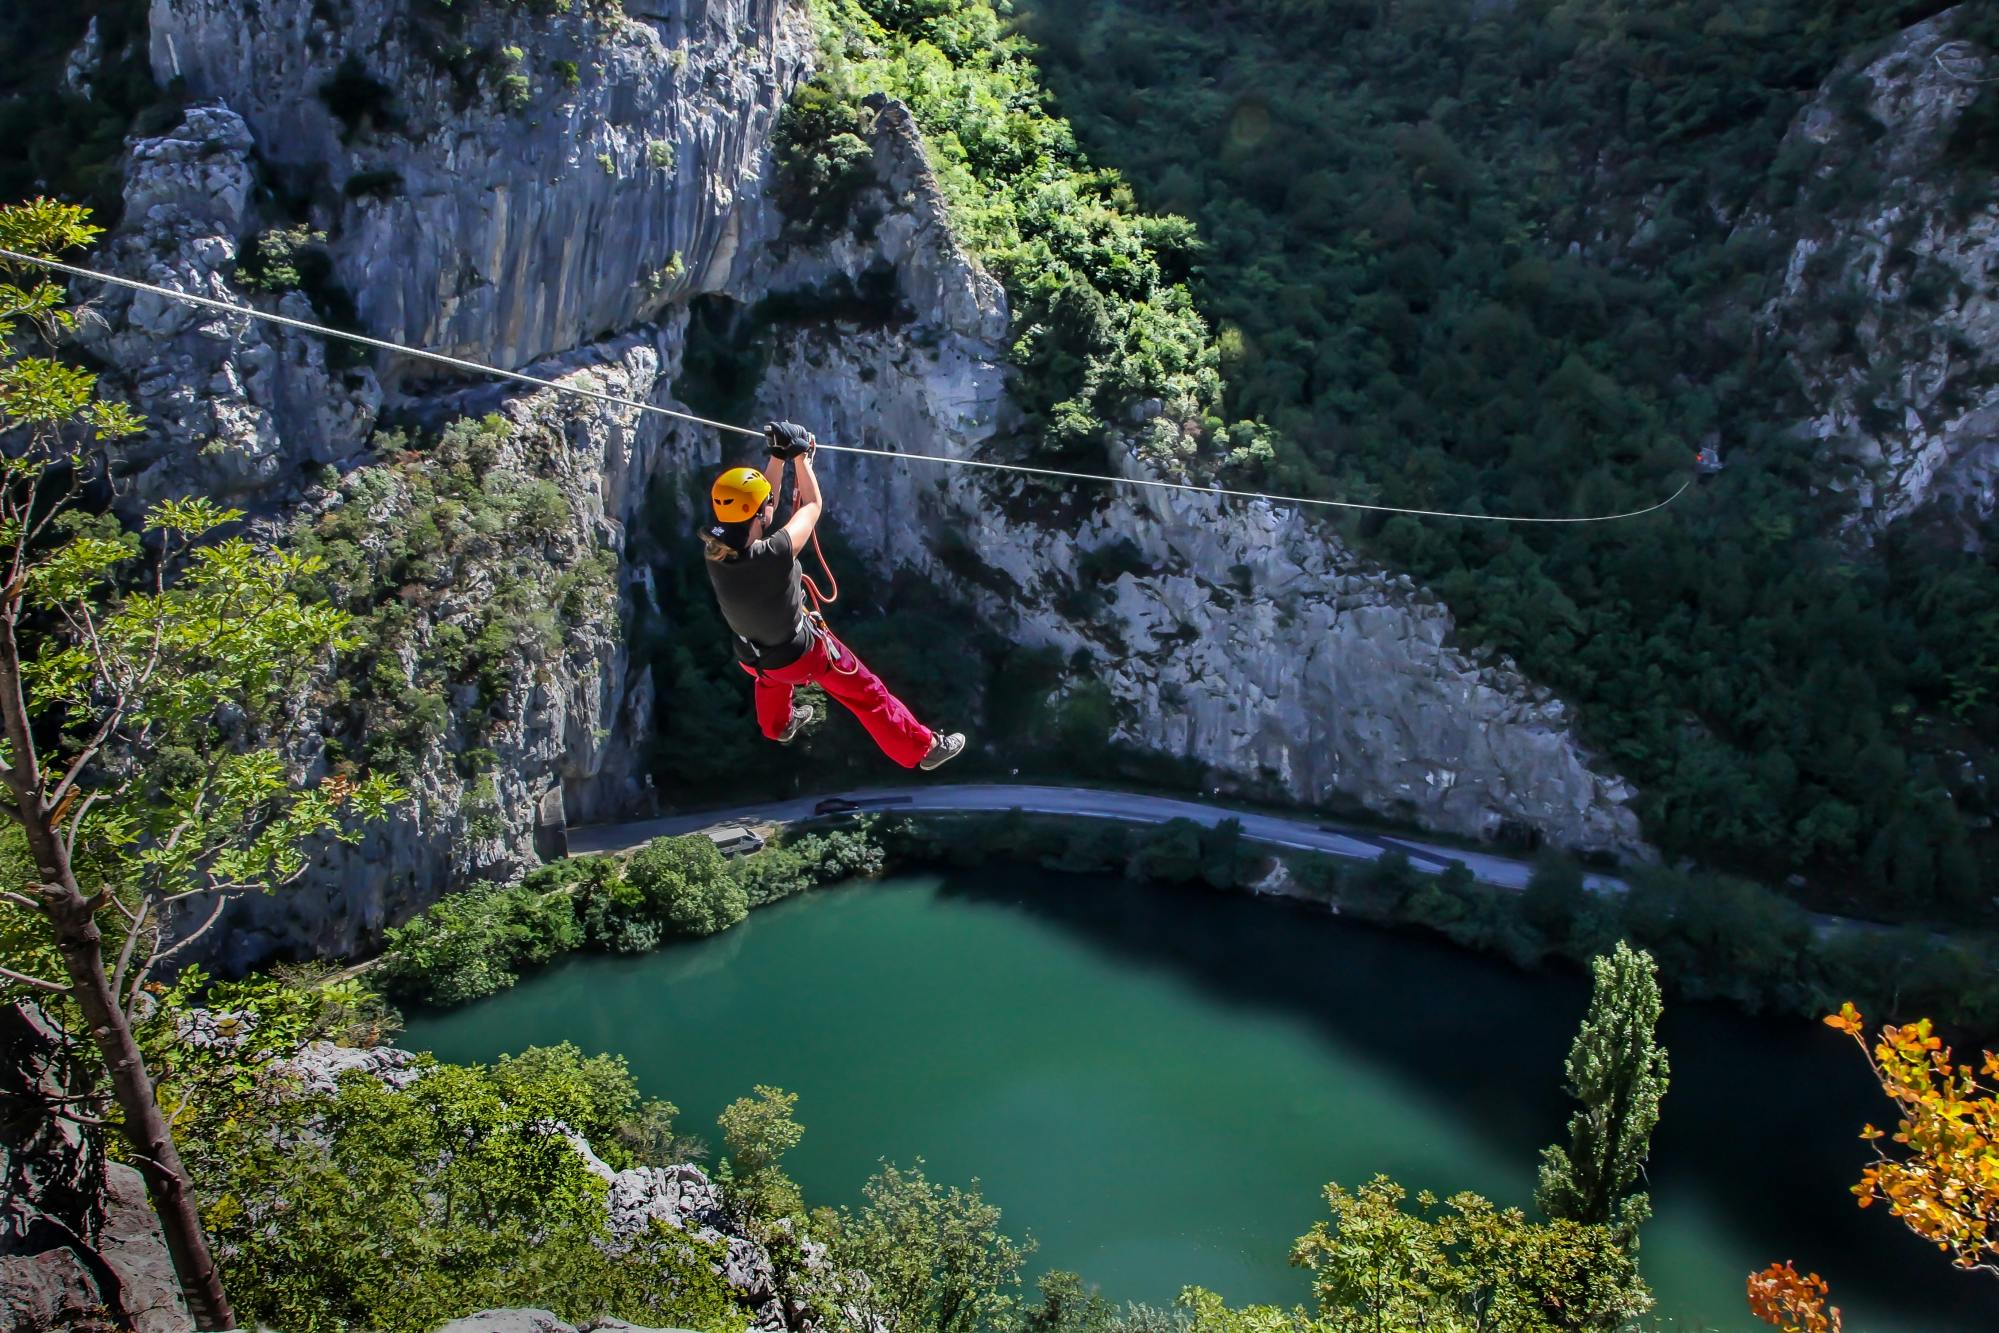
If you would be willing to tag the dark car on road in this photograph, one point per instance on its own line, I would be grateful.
(835, 805)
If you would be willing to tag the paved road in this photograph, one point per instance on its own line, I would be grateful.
(1303, 834)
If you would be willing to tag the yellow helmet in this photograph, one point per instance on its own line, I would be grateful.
(738, 494)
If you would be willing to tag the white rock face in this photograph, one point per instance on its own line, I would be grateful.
(525, 218)
(237, 408)
(319, 1064)
(1892, 298)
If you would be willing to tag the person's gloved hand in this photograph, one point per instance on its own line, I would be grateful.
(788, 440)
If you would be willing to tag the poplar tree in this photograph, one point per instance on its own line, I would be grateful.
(1617, 1070)
(137, 673)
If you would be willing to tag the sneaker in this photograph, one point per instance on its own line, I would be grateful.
(799, 717)
(944, 749)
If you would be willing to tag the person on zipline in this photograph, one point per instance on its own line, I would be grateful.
(758, 584)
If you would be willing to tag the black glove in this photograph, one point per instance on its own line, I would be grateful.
(788, 440)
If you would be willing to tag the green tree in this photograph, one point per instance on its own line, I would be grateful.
(758, 1132)
(1618, 1071)
(1469, 1267)
(397, 1210)
(129, 674)
(686, 883)
(1067, 1306)
(935, 1257)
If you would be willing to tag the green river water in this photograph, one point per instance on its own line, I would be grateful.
(1156, 1083)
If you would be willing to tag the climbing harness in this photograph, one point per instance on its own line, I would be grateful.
(836, 652)
(439, 358)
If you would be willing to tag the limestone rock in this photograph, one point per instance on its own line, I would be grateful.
(1889, 298)
(131, 1244)
(81, 68)
(508, 1321)
(80, 1246)
(539, 1321)
(319, 1066)
(529, 214)
(236, 408)
(51, 1290)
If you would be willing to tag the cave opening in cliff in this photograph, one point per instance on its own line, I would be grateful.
(726, 355)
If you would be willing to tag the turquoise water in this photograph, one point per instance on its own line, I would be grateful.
(1155, 1083)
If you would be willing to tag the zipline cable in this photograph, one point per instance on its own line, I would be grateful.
(475, 367)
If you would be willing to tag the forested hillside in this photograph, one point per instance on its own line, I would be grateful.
(1512, 257)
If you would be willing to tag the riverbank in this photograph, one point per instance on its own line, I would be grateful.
(1713, 937)
(1156, 1081)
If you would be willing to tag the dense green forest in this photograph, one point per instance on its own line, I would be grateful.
(1510, 258)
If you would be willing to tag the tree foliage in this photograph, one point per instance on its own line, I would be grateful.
(1941, 1177)
(687, 885)
(152, 691)
(1468, 1266)
(758, 1132)
(1793, 1301)
(373, 1207)
(1102, 319)
(1617, 1069)
(479, 940)
(935, 1257)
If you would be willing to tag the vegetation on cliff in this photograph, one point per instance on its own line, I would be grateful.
(149, 688)
(479, 940)
(1511, 257)
(1102, 316)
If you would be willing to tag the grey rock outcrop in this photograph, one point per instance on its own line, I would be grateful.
(238, 409)
(533, 181)
(83, 64)
(538, 1321)
(565, 728)
(318, 1067)
(1890, 297)
(79, 1244)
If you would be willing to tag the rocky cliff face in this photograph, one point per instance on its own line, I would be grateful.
(529, 215)
(79, 1245)
(1253, 641)
(1890, 294)
(497, 182)
(475, 200)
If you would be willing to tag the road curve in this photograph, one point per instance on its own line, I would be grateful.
(1084, 803)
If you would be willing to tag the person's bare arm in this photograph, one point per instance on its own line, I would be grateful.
(806, 504)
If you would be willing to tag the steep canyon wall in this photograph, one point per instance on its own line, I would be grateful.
(477, 201)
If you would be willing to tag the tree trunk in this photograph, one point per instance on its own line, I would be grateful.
(145, 1127)
(81, 945)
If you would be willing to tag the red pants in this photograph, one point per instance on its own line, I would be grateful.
(901, 737)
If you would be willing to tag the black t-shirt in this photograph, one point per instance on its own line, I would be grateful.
(763, 602)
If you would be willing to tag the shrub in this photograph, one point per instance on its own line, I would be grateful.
(277, 260)
(659, 155)
(793, 867)
(468, 945)
(685, 883)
